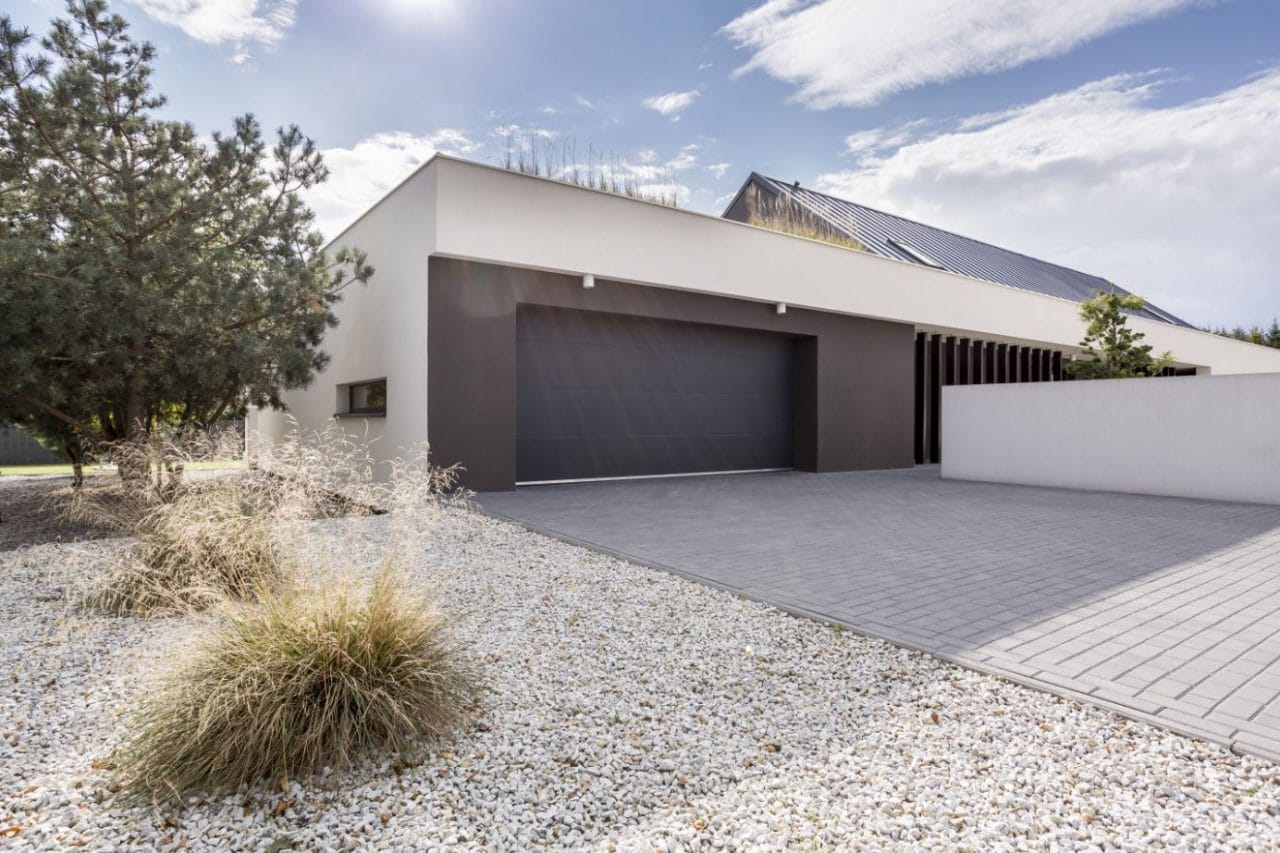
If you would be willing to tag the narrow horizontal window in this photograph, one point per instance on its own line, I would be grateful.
(367, 398)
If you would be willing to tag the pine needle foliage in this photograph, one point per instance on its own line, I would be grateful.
(1267, 337)
(146, 276)
(1112, 350)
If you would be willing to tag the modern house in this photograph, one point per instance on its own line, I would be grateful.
(537, 331)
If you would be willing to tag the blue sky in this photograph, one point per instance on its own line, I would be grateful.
(1134, 139)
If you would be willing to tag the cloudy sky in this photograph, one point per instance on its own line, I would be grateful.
(1134, 139)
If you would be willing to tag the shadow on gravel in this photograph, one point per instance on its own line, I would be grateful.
(30, 515)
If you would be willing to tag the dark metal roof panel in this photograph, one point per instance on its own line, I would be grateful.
(875, 229)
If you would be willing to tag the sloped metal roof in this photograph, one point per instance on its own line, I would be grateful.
(906, 240)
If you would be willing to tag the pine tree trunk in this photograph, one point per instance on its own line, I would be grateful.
(77, 465)
(131, 454)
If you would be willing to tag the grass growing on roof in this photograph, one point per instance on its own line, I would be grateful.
(779, 215)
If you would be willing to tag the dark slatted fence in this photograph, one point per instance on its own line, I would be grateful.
(947, 360)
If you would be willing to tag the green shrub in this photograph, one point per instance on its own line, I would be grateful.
(313, 675)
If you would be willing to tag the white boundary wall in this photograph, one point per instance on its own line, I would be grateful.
(1214, 437)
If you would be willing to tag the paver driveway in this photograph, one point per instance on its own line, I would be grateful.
(1165, 609)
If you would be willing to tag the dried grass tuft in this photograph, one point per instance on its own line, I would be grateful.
(322, 647)
(106, 506)
(201, 540)
(310, 676)
(533, 154)
(786, 218)
(211, 542)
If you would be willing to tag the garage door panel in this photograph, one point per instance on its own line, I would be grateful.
(546, 363)
(555, 411)
(602, 395)
(551, 324)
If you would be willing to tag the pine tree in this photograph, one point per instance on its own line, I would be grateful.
(144, 275)
(1269, 337)
(1112, 349)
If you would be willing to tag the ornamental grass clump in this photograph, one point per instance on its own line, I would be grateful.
(313, 675)
(326, 649)
(211, 542)
(199, 541)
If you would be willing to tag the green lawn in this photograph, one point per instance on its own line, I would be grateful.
(65, 470)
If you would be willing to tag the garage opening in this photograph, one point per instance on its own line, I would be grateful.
(609, 395)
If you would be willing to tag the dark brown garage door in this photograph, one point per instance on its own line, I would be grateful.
(606, 395)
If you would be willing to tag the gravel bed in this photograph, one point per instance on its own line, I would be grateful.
(631, 710)
(30, 513)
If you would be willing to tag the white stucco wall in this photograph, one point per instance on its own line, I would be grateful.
(1212, 437)
(382, 327)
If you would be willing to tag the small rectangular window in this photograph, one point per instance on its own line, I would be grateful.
(367, 398)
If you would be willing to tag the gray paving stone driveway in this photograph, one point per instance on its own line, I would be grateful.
(1167, 610)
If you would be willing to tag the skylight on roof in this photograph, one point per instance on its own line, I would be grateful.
(1168, 318)
(915, 254)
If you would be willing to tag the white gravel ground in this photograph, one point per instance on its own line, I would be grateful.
(633, 710)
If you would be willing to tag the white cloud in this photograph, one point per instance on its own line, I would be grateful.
(865, 142)
(672, 103)
(686, 159)
(523, 134)
(717, 170)
(237, 22)
(858, 52)
(1178, 203)
(723, 200)
(365, 172)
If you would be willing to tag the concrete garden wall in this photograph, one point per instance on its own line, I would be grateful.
(1212, 437)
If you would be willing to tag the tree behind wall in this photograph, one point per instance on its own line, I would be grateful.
(146, 277)
(1112, 350)
(1269, 337)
